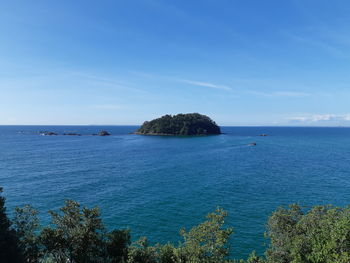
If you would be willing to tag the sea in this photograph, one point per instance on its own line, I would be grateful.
(156, 185)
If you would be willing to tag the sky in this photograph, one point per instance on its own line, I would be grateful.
(121, 62)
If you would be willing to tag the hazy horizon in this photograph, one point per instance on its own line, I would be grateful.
(227, 125)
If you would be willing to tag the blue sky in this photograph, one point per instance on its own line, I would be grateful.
(123, 62)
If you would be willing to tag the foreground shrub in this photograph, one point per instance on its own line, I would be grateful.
(207, 242)
(77, 235)
(10, 251)
(321, 235)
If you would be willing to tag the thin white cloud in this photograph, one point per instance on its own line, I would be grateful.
(329, 48)
(97, 78)
(279, 93)
(107, 82)
(291, 94)
(298, 119)
(321, 118)
(187, 81)
(205, 84)
(145, 75)
(225, 87)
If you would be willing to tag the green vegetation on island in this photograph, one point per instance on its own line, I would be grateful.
(77, 235)
(180, 124)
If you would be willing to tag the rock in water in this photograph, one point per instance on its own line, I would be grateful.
(48, 133)
(103, 133)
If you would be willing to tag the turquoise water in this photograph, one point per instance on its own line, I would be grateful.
(156, 185)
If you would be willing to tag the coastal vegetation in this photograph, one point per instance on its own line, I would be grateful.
(77, 235)
(180, 124)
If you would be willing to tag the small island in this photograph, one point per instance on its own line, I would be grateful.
(180, 124)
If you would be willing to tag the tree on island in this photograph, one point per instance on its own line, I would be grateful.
(180, 124)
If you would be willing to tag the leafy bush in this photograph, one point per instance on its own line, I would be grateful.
(77, 235)
(321, 235)
(10, 251)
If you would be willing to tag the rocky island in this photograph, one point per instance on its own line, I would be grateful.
(103, 133)
(180, 124)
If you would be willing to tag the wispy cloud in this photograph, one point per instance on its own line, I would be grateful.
(102, 81)
(84, 75)
(205, 84)
(291, 94)
(332, 49)
(279, 93)
(321, 118)
(197, 83)
(145, 74)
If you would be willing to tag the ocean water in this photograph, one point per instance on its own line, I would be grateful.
(157, 185)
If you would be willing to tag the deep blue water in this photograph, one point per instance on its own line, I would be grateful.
(156, 185)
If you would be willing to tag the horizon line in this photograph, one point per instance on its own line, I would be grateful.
(239, 125)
